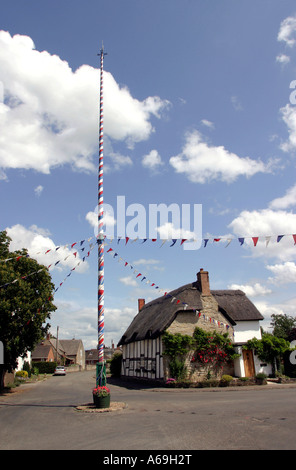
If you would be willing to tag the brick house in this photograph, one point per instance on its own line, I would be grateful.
(181, 311)
(63, 351)
(43, 352)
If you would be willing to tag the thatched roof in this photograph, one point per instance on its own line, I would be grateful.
(156, 316)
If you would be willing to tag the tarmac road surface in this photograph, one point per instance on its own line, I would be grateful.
(44, 416)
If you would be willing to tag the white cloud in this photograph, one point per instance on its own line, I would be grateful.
(146, 262)
(167, 231)
(287, 31)
(288, 200)
(283, 273)
(283, 59)
(201, 162)
(49, 116)
(128, 281)
(38, 190)
(253, 290)
(208, 124)
(267, 223)
(288, 113)
(108, 219)
(152, 160)
(37, 241)
(78, 321)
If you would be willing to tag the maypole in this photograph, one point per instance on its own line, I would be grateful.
(101, 367)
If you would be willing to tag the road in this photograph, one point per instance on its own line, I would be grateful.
(44, 416)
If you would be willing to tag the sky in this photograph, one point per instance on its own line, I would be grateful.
(199, 113)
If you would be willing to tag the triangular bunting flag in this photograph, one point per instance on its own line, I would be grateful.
(255, 240)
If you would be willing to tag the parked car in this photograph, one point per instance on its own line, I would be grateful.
(60, 370)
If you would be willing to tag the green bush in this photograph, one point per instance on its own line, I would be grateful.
(115, 365)
(27, 367)
(177, 368)
(226, 380)
(261, 378)
(44, 367)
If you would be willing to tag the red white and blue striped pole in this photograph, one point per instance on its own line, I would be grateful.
(101, 370)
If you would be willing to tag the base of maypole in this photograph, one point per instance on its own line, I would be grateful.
(101, 378)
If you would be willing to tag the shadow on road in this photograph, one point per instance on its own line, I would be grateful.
(34, 405)
(132, 384)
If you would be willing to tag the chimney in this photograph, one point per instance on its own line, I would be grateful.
(203, 282)
(141, 303)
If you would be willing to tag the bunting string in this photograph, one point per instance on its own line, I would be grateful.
(172, 242)
(77, 245)
(215, 240)
(91, 246)
(142, 277)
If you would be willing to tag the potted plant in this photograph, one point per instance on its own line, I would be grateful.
(101, 397)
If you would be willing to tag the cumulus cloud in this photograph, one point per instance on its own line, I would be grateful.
(286, 201)
(75, 320)
(152, 160)
(49, 114)
(201, 162)
(267, 223)
(253, 290)
(108, 219)
(284, 273)
(168, 231)
(287, 31)
(288, 114)
(283, 59)
(37, 241)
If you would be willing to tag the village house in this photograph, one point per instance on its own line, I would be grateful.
(63, 351)
(181, 311)
(43, 352)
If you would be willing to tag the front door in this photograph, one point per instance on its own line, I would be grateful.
(248, 363)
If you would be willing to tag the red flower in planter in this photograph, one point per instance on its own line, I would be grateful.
(102, 391)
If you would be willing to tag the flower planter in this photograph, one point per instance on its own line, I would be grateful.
(101, 402)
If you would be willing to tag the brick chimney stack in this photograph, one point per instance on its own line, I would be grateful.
(203, 282)
(141, 303)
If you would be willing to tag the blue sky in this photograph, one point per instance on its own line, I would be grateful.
(198, 109)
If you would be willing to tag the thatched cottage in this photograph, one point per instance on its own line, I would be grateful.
(181, 311)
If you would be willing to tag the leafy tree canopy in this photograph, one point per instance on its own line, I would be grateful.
(269, 347)
(25, 305)
(282, 325)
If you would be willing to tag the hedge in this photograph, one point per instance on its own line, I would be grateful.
(44, 367)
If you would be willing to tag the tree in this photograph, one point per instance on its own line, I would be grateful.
(269, 349)
(282, 325)
(26, 295)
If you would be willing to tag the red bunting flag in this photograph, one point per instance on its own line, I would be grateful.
(255, 240)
